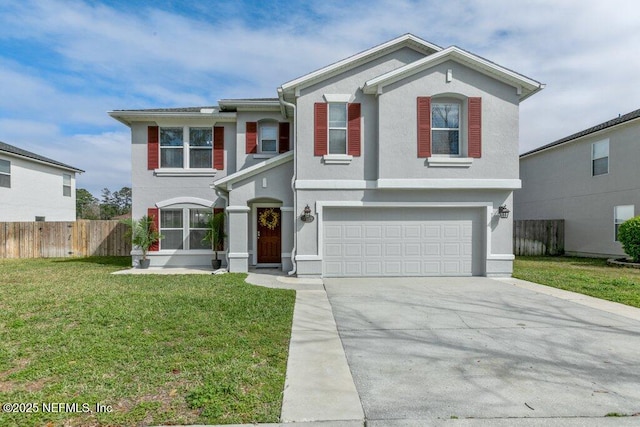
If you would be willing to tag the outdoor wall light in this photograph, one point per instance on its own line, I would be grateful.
(503, 211)
(306, 215)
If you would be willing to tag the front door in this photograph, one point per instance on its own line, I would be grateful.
(269, 244)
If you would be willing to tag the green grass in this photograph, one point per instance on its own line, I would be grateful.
(589, 276)
(184, 349)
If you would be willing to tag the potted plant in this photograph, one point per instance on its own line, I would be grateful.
(215, 236)
(143, 234)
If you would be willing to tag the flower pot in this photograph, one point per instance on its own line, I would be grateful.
(144, 263)
(216, 263)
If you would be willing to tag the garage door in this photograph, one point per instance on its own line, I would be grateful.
(400, 242)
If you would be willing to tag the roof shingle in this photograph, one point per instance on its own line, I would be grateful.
(7, 148)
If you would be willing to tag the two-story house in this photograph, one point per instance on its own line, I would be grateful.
(591, 179)
(34, 187)
(392, 162)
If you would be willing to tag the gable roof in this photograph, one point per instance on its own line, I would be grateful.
(19, 152)
(406, 40)
(525, 85)
(597, 128)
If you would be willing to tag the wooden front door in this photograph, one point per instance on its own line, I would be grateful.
(269, 242)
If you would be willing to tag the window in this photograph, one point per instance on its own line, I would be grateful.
(600, 158)
(620, 215)
(171, 148)
(66, 185)
(200, 146)
(194, 152)
(445, 128)
(5, 173)
(171, 229)
(198, 228)
(268, 138)
(39, 219)
(183, 229)
(337, 128)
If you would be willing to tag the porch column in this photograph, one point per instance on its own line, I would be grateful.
(238, 229)
(287, 237)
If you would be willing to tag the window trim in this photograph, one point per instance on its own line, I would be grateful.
(190, 147)
(451, 101)
(6, 173)
(593, 159)
(65, 186)
(186, 228)
(345, 129)
(617, 222)
(275, 125)
(186, 147)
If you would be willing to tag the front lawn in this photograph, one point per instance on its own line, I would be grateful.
(589, 276)
(186, 349)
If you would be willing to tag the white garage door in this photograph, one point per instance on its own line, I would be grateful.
(399, 242)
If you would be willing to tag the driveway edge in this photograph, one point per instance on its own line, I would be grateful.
(586, 300)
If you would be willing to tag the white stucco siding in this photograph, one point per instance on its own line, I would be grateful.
(36, 190)
(558, 184)
(350, 82)
(148, 188)
(398, 124)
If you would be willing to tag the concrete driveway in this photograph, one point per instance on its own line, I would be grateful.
(432, 349)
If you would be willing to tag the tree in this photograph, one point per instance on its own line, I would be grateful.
(116, 203)
(87, 206)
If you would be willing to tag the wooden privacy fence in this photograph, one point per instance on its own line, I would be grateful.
(63, 239)
(538, 237)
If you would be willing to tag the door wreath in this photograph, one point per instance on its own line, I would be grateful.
(269, 218)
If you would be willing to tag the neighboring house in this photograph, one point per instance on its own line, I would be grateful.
(591, 179)
(401, 156)
(34, 187)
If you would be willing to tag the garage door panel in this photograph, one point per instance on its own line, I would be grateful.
(372, 231)
(392, 242)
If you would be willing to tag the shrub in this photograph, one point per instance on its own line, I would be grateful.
(629, 236)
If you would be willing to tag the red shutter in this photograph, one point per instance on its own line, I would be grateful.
(320, 135)
(252, 137)
(475, 127)
(283, 138)
(424, 126)
(218, 147)
(353, 130)
(152, 147)
(153, 213)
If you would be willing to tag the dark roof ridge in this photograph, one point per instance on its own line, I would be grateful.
(8, 148)
(604, 125)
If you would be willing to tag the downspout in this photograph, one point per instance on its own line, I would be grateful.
(226, 218)
(293, 178)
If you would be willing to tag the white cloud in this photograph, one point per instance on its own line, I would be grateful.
(98, 58)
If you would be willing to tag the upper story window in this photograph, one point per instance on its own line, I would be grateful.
(337, 128)
(194, 152)
(171, 148)
(620, 215)
(600, 158)
(268, 137)
(66, 185)
(445, 128)
(200, 147)
(5, 173)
